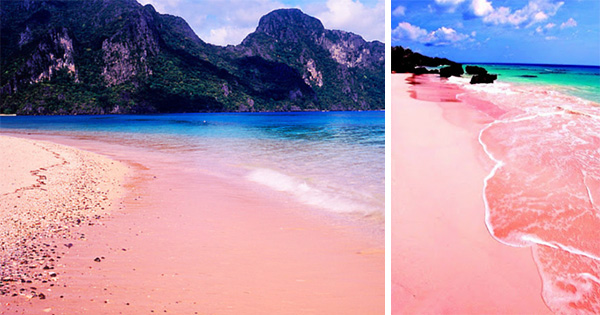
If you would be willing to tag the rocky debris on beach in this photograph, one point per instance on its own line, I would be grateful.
(39, 223)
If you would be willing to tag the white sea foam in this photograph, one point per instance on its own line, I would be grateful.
(307, 193)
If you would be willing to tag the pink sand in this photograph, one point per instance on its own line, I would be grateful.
(183, 241)
(443, 258)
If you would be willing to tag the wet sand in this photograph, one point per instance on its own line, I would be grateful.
(443, 258)
(185, 241)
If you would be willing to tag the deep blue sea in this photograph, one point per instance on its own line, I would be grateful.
(332, 161)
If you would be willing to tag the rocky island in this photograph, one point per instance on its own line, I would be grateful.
(117, 56)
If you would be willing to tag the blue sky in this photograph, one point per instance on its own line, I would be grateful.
(509, 31)
(223, 22)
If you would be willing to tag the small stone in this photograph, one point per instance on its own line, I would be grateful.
(42, 296)
(97, 259)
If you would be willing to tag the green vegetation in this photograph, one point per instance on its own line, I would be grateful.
(100, 57)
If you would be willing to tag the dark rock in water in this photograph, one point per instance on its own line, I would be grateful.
(528, 76)
(483, 78)
(452, 70)
(475, 70)
(97, 259)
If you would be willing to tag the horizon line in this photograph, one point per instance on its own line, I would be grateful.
(528, 64)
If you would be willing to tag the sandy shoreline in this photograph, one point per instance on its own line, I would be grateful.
(47, 193)
(443, 258)
(186, 242)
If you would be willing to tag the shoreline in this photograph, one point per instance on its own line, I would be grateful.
(189, 241)
(45, 202)
(443, 257)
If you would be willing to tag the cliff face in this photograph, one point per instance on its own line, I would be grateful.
(344, 70)
(116, 56)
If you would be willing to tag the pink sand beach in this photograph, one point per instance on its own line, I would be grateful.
(164, 237)
(444, 260)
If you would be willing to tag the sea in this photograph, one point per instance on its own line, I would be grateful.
(543, 136)
(331, 162)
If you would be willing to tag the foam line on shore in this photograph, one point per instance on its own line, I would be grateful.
(528, 239)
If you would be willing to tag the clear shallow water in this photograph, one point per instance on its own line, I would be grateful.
(544, 189)
(332, 161)
(580, 81)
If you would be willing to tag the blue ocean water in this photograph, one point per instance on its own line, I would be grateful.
(332, 161)
(580, 81)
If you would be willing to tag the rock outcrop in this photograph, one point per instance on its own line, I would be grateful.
(483, 78)
(475, 70)
(117, 56)
(405, 60)
(452, 70)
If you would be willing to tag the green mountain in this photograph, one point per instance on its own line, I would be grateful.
(117, 56)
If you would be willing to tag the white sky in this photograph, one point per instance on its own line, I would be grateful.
(223, 22)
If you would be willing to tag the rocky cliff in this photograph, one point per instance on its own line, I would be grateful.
(117, 56)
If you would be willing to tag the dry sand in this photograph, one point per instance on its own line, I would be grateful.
(444, 261)
(188, 242)
(47, 192)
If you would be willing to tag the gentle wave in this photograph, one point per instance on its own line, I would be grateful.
(543, 188)
(308, 193)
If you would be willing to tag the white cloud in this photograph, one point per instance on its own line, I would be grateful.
(218, 22)
(481, 7)
(406, 30)
(449, 2)
(162, 6)
(225, 22)
(226, 35)
(443, 36)
(535, 11)
(540, 16)
(544, 29)
(569, 23)
(353, 16)
(399, 11)
(449, 5)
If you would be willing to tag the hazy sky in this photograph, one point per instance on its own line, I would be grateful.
(223, 22)
(517, 31)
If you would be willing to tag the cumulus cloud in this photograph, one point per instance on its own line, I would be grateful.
(569, 23)
(443, 36)
(535, 11)
(481, 7)
(399, 11)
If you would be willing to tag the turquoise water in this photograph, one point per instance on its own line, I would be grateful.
(332, 161)
(580, 81)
